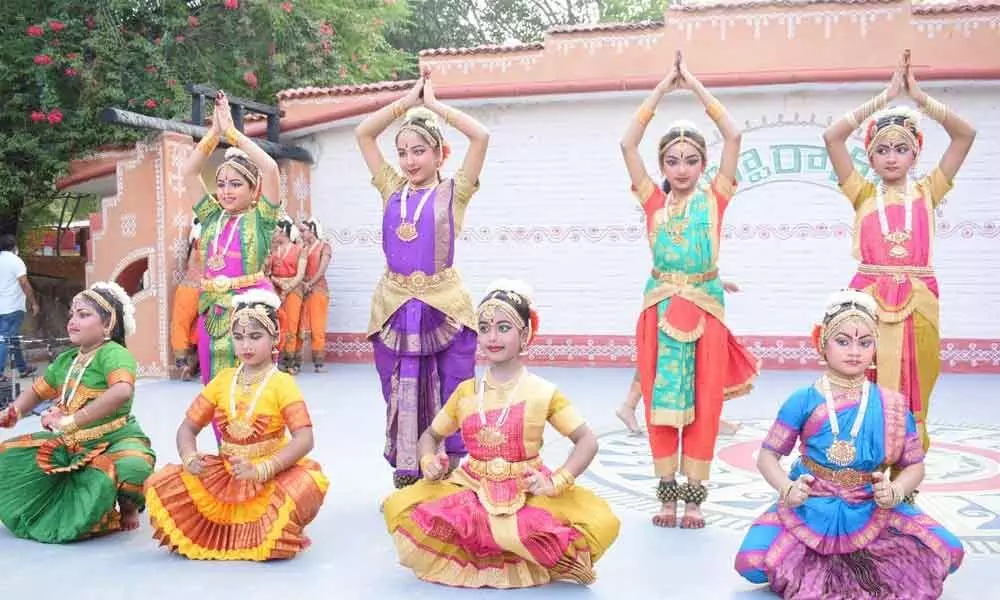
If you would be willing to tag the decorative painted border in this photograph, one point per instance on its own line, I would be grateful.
(774, 351)
(630, 233)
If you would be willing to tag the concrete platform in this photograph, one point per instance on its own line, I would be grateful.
(352, 556)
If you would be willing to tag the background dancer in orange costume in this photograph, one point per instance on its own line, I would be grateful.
(286, 267)
(316, 294)
(184, 316)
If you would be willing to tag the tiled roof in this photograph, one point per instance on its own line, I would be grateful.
(492, 49)
(346, 90)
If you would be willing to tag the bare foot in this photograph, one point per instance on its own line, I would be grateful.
(627, 416)
(667, 517)
(729, 427)
(693, 518)
(130, 515)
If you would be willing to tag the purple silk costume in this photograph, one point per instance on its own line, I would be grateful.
(421, 354)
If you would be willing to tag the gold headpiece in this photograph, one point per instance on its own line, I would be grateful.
(894, 124)
(685, 131)
(423, 122)
(98, 299)
(231, 155)
(843, 307)
(253, 305)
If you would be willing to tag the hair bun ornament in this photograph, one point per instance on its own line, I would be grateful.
(119, 293)
(251, 297)
(521, 288)
(837, 299)
(421, 113)
(234, 152)
(683, 124)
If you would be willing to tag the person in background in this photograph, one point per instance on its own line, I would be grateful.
(16, 295)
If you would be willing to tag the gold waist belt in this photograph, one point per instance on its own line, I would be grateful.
(252, 451)
(684, 278)
(93, 433)
(221, 284)
(499, 469)
(895, 270)
(846, 478)
(419, 283)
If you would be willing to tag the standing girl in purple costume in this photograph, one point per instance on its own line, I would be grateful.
(422, 326)
(237, 221)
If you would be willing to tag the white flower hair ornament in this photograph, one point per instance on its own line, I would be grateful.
(128, 309)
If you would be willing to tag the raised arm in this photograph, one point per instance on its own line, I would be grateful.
(373, 125)
(207, 145)
(269, 173)
(835, 136)
(637, 128)
(962, 134)
(478, 135)
(731, 136)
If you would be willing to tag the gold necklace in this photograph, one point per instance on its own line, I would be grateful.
(247, 381)
(846, 383)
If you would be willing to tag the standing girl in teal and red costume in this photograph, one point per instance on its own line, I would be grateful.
(422, 326)
(689, 362)
(84, 475)
(894, 231)
(237, 223)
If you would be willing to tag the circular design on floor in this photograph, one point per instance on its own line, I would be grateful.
(961, 490)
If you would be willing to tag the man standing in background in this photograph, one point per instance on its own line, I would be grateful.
(14, 291)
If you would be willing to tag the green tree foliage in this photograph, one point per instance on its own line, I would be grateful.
(462, 23)
(61, 62)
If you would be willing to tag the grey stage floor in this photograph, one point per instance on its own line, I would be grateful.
(352, 556)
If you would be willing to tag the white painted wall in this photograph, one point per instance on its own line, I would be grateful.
(555, 210)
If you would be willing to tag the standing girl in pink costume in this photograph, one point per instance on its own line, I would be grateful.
(422, 325)
(894, 229)
(237, 223)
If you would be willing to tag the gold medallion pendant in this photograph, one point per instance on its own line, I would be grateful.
(841, 453)
(239, 429)
(896, 239)
(491, 437)
(406, 231)
(216, 262)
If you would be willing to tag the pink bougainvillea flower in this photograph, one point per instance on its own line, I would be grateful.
(287, 7)
(69, 72)
(37, 116)
(43, 59)
(193, 21)
(57, 26)
(35, 31)
(55, 116)
(251, 78)
(150, 104)
(231, 4)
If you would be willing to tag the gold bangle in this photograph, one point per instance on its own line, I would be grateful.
(207, 145)
(785, 492)
(562, 480)
(935, 110)
(426, 460)
(852, 120)
(397, 110)
(68, 426)
(644, 115)
(449, 118)
(715, 111)
(187, 459)
(233, 136)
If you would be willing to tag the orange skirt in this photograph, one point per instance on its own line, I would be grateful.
(215, 516)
